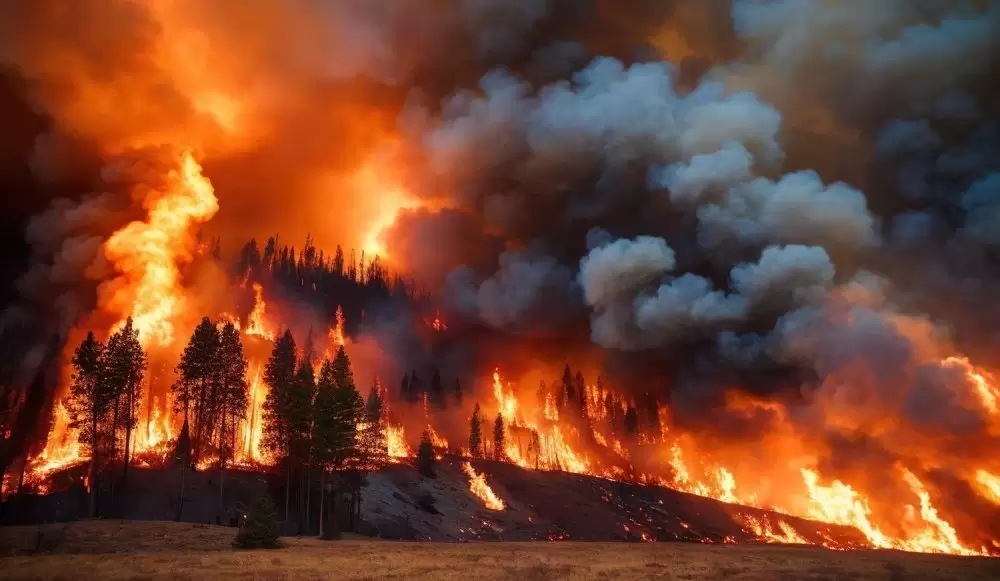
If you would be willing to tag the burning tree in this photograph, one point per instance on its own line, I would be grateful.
(476, 434)
(199, 371)
(499, 446)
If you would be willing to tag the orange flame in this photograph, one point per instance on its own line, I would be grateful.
(398, 449)
(256, 325)
(479, 487)
(148, 254)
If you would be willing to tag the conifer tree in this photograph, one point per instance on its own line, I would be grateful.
(279, 376)
(499, 437)
(476, 434)
(374, 444)
(233, 388)
(581, 393)
(632, 422)
(195, 389)
(565, 389)
(437, 391)
(260, 528)
(89, 403)
(458, 392)
(336, 414)
(125, 368)
(425, 456)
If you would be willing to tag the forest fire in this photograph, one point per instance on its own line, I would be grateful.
(709, 269)
(479, 487)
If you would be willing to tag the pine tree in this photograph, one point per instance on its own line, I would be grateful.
(195, 390)
(437, 391)
(499, 437)
(476, 434)
(581, 393)
(279, 376)
(300, 412)
(336, 414)
(260, 528)
(565, 389)
(89, 403)
(233, 389)
(125, 368)
(233, 392)
(374, 444)
(458, 392)
(425, 456)
(632, 422)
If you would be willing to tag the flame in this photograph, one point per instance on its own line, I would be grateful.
(762, 528)
(62, 450)
(250, 450)
(438, 323)
(398, 449)
(337, 336)
(436, 440)
(148, 254)
(479, 487)
(256, 325)
(391, 200)
(990, 484)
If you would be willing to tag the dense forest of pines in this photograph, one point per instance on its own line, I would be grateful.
(318, 429)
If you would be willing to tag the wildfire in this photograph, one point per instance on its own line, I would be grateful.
(398, 449)
(148, 254)
(337, 336)
(479, 487)
(251, 429)
(990, 483)
(256, 326)
(768, 533)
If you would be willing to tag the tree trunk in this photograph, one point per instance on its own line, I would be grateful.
(180, 499)
(113, 448)
(308, 502)
(92, 481)
(128, 445)
(288, 490)
(322, 500)
(222, 469)
(199, 417)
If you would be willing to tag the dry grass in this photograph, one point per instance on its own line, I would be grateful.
(174, 551)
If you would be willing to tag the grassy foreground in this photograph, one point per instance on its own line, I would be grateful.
(176, 551)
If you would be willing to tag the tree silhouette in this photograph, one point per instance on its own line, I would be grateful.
(279, 376)
(476, 434)
(125, 369)
(195, 389)
(89, 403)
(336, 414)
(425, 456)
(499, 439)
(437, 396)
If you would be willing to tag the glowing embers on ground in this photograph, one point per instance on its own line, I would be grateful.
(479, 487)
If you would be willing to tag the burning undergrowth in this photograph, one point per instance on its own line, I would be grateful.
(693, 244)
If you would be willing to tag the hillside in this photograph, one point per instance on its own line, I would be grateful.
(398, 503)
